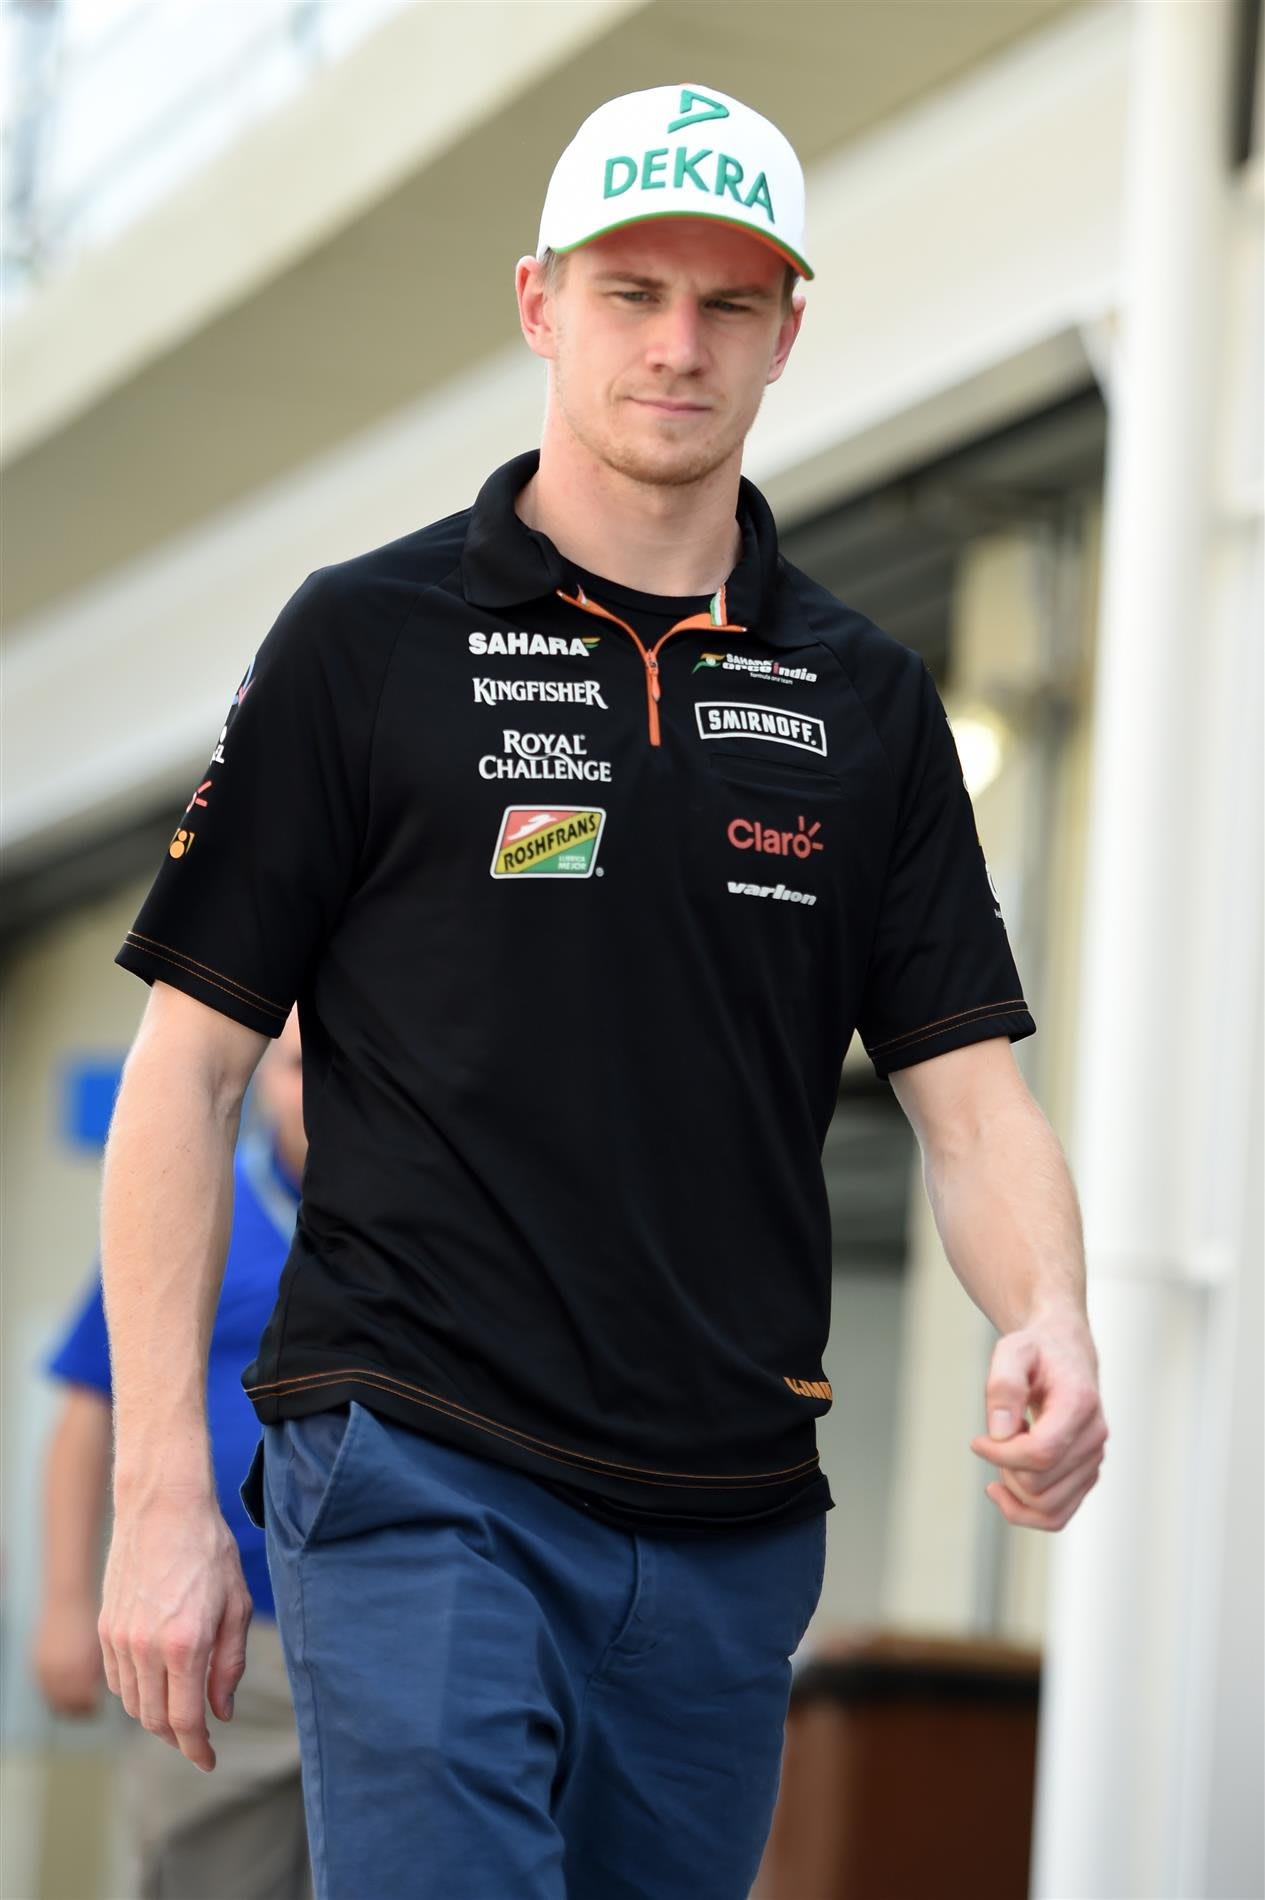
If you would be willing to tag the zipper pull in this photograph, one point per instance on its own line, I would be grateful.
(652, 667)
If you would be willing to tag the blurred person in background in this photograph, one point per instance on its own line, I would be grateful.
(586, 830)
(241, 1834)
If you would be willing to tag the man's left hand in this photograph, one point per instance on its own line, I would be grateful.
(1046, 1429)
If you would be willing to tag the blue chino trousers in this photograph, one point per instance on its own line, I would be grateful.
(501, 1698)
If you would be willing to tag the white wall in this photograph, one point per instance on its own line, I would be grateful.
(959, 250)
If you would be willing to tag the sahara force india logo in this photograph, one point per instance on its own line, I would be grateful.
(755, 669)
(561, 842)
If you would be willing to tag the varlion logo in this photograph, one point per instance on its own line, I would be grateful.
(810, 1388)
(544, 645)
(560, 842)
(778, 892)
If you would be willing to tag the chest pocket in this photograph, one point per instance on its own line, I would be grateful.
(755, 771)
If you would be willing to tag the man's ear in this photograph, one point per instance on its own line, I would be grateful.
(788, 330)
(536, 307)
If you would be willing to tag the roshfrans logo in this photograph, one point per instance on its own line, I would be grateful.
(559, 842)
(748, 834)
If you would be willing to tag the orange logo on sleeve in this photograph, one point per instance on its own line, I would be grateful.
(810, 1388)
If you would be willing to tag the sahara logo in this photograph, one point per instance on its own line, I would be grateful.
(182, 844)
(535, 645)
(561, 842)
(748, 834)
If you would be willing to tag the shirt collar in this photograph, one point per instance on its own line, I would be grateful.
(504, 563)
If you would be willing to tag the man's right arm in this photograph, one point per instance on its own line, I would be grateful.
(175, 1605)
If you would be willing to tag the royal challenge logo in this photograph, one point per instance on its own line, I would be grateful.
(559, 842)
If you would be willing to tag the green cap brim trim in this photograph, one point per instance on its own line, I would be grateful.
(784, 251)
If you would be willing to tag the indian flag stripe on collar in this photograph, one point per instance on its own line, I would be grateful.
(717, 607)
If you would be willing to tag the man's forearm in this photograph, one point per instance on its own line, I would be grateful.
(166, 1210)
(1007, 1214)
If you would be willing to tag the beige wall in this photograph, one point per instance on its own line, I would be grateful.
(60, 996)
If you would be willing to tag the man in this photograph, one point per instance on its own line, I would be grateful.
(585, 830)
(243, 1832)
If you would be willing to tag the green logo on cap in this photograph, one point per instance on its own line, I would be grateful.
(690, 101)
(623, 172)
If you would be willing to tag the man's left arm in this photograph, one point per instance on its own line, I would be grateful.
(1007, 1215)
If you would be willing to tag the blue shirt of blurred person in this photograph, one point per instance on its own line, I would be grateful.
(265, 1205)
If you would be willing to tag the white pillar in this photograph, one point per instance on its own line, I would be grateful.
(1126, 1572)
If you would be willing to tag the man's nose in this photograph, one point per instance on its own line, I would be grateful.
(677, 341)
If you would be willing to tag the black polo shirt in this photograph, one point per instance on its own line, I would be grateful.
(581, 920)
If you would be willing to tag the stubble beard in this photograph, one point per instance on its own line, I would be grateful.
(667, 465)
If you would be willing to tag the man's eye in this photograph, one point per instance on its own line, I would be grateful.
(723, 303)
(632, 296)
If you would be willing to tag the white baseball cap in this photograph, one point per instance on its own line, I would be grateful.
(676, 152)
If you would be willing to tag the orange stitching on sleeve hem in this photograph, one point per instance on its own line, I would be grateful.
(926, 1029)
(911, 1042)
(151, 946)
(149, 951)
(402, 1388)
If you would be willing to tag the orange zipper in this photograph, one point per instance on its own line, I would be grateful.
(704, 623)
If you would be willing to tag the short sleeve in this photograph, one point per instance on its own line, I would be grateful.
(266, 852)
(82, 1354)
(940, 973)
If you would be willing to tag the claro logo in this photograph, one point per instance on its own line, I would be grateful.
(748, 834)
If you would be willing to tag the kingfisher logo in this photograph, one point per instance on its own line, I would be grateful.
(559, 842)
(748, 834)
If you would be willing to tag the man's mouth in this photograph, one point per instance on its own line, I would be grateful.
(667, 407)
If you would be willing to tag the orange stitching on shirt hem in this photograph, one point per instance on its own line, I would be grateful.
(149, 951)
(248, 994)
(388, 1382)
(980, 1009)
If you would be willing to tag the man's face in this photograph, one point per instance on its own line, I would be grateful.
(663, 339)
